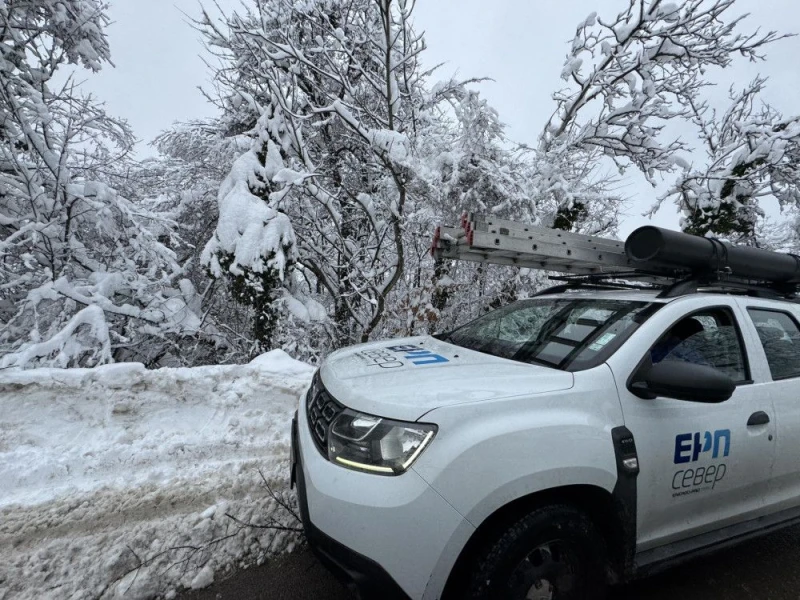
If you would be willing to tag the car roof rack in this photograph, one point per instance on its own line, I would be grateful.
(652, 258)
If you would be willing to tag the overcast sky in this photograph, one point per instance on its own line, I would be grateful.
(519, 44)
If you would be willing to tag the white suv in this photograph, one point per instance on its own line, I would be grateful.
(553, 446)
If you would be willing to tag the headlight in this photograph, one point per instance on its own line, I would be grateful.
(366, 443)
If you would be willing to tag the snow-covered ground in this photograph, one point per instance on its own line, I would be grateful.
(103, 470)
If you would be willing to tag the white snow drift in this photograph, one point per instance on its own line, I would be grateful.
(105, 470)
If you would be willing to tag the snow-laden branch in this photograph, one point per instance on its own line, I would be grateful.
(334, 88)
(752, 152)
(84, 269)
(83, 340)
(630, 75)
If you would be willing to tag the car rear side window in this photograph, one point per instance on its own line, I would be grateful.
(780, 338)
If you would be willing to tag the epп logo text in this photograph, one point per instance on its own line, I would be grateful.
(689, 448)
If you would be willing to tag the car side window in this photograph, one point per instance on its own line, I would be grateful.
(780, 338)
(709, 337)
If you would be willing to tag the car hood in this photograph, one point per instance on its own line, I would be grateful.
(406, 378)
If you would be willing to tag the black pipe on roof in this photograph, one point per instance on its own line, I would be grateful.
(655, 246)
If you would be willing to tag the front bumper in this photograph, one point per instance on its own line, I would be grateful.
(388, 537)
(362, 575)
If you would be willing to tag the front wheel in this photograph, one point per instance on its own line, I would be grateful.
(553, 553)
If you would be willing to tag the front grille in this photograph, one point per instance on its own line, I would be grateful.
(321, 410)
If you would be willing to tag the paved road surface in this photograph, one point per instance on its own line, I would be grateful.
(766, 569)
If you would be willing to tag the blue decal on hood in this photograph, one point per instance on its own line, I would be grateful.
(425, 357)
(418, 356)
(408, 348)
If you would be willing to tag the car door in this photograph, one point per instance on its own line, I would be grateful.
(702, 466)
(777, 328)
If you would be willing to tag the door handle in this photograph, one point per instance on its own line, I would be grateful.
(758, 418)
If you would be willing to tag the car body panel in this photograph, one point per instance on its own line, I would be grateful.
(784, 394)
(523, 445)
(675, 501)
(406, 378)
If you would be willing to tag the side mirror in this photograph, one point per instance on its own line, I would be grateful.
(683, 381)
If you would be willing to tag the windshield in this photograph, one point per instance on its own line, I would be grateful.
(562, 333)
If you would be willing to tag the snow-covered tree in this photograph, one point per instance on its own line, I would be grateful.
(628, 77)
(465, 163)
(253, 244)
(82, 278)
(336, 92)
(752, 152)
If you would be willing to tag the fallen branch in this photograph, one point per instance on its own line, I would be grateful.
(281, 502)
(185, 555)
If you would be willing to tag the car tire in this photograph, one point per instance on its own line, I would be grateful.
(553, 553)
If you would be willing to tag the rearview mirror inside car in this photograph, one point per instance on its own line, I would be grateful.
(683, 381)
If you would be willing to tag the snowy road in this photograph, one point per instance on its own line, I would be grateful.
(766, 569)
(119, 481)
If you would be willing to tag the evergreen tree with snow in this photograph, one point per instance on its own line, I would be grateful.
(253, 245)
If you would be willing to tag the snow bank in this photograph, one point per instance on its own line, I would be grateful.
(106, 469)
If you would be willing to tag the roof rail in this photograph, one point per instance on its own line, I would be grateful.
(675, 262)
(693, 285)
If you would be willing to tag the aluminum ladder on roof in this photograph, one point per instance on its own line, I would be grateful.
(487, 239)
